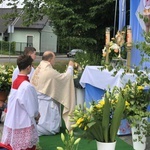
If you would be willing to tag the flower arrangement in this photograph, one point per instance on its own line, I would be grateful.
(138, 94)
(138, 99)
(116, 48)
(101, 121)
(5, 77)
(77, 75)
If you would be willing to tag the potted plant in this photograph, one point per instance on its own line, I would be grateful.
(137, 114)
(101, 121)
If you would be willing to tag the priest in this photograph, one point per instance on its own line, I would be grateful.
(53, 88)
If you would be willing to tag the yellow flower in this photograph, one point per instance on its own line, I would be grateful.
(140, 87)
(74, 125)
(127, 104)
(114, 101)
(79, 121)
(101, 103)
(75, 71)
(80, 125)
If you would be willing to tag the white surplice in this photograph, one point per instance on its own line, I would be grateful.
(16, 73)
(49, 122)
(20, 129)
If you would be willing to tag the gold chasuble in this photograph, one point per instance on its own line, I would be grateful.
(59, 86)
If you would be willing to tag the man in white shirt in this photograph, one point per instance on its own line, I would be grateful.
(53, 89)
(31, 51)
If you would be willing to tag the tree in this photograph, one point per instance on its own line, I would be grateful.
(77, 23)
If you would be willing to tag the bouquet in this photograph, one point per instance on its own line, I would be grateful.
(102, 120)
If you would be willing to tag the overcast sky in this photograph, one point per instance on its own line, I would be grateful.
(3, 5)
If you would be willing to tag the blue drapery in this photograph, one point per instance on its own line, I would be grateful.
(122, 14)
(136, 34)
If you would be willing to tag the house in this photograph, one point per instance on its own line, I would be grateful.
(39, 35)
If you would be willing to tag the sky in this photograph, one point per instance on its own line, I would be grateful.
(3, 5)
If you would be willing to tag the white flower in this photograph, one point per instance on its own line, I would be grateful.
(104, 49)
(115, 46)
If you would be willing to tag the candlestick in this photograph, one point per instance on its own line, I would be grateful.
(129, 46)
(107, 35)
(107, 44)
(129, 36)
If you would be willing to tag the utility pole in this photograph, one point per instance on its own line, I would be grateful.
(10, 31)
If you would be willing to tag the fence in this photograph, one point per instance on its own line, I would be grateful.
(13, 47)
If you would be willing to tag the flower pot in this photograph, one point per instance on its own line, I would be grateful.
(106, 146)
(139, 145)
(3, 95)
(80, 96)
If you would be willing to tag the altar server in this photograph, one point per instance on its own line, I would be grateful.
(20, 131)
(30, 51)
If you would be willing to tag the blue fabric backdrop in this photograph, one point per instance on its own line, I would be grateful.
(136, 34)
(122, 14)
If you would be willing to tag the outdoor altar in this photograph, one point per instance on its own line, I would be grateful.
(98, 79)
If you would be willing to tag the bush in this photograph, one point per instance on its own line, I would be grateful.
(88, 58)
(4, 46)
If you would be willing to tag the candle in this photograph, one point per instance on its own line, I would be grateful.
(107, 36)
(129, 36)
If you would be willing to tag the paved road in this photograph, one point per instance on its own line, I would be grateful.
(7, 58)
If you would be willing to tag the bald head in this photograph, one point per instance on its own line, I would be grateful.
(49, 56)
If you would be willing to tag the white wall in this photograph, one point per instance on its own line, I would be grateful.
(48, 39)
(21, 36)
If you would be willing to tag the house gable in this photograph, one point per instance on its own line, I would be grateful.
(40, 32)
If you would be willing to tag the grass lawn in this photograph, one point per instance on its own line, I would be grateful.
(51, 142)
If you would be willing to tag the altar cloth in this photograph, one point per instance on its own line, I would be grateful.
(104, 79)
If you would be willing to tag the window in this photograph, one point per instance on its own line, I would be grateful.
(29, 41)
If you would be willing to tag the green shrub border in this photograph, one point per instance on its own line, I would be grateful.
(5, 45)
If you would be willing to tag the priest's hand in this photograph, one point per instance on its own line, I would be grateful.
(37, 118)
(71, 63)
